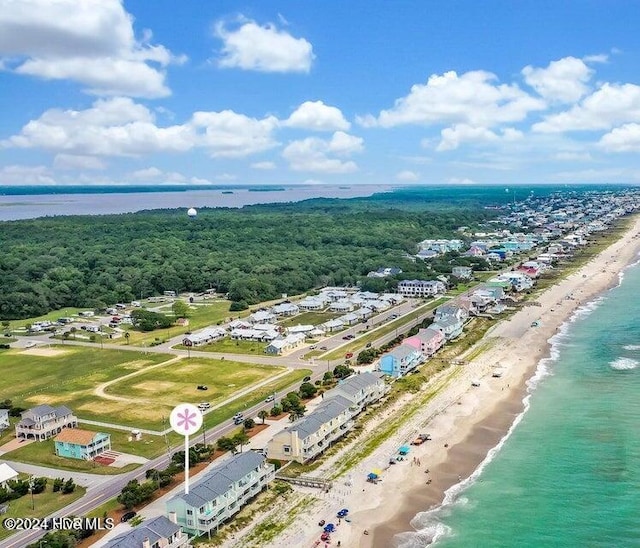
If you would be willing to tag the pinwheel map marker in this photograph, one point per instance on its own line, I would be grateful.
(186, 419)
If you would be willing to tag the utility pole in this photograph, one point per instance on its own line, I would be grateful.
(33, 502)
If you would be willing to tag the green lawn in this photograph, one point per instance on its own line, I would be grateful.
(309, 318)
(230, 346)
(42, 505)
(162, 388)
(42, 453)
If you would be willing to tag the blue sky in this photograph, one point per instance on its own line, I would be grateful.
(329, 92)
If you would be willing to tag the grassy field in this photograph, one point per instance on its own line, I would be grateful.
(162, 388)
(42, 505)
(67, 376)
(230, 346)
(359, 343)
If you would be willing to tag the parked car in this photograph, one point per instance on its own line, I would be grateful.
(203, 387)
(306, 379)
(349, 355)
(323, 348)
(368, 345)
(128, 515)
(346, 338)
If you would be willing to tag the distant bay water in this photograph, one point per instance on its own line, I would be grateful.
(569, 473)
(29, 202)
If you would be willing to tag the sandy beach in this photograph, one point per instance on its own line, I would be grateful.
(465, 421)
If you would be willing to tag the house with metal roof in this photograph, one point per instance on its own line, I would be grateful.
(221, 493)
(160, 532)
(43, 422)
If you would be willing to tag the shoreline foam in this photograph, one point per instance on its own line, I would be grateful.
(474, 421)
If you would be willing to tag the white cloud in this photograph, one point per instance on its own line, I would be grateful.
(75, 161)
(313, 154)
(25, 175)
(460, 181)
(111, 127)
(569, 156)
(344, 144)
(563, 81)
(199, 181)
(453, 137)
(154, 174)
(622, 139)
(407, 175)
(263, 165)
(316, 116)
(121, 127)
(263, 48)
(470, 98)
(609, 106)
(230, 134)
(91, 42)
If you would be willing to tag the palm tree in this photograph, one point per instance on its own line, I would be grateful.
(263, 415)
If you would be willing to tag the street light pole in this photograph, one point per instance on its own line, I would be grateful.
(33, 502)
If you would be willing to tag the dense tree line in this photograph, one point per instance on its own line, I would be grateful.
(254, 253)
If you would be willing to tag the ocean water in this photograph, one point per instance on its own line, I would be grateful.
(568, 473)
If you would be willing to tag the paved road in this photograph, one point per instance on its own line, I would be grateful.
(112, 485)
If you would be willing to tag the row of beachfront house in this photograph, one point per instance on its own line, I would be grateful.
(448, 324)
(308, 437)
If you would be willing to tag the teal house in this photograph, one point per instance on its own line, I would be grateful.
(74, 443)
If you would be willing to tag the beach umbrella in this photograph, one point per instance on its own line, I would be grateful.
(376, 471)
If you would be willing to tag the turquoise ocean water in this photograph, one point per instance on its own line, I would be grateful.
(568, 474)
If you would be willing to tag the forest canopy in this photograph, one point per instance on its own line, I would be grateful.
(253, 253)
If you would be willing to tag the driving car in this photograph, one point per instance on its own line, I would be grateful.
(204, 405)
(306, 379)
(269, 398)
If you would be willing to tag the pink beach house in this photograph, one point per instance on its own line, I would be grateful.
(428, 341)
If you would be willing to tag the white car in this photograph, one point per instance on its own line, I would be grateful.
(204, 406)
(269, 398)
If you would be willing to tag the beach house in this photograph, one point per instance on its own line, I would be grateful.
(160, 532)
(450, 326)
(205, 336)
(399, 361)
(360, 390)
(421, 288)
(428, 341)
(306, 438)
(462, 272)
(74, 443)
(43, 422)
(221, 493)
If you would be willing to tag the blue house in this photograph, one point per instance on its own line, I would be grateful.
(74, 443)
(400, 360)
